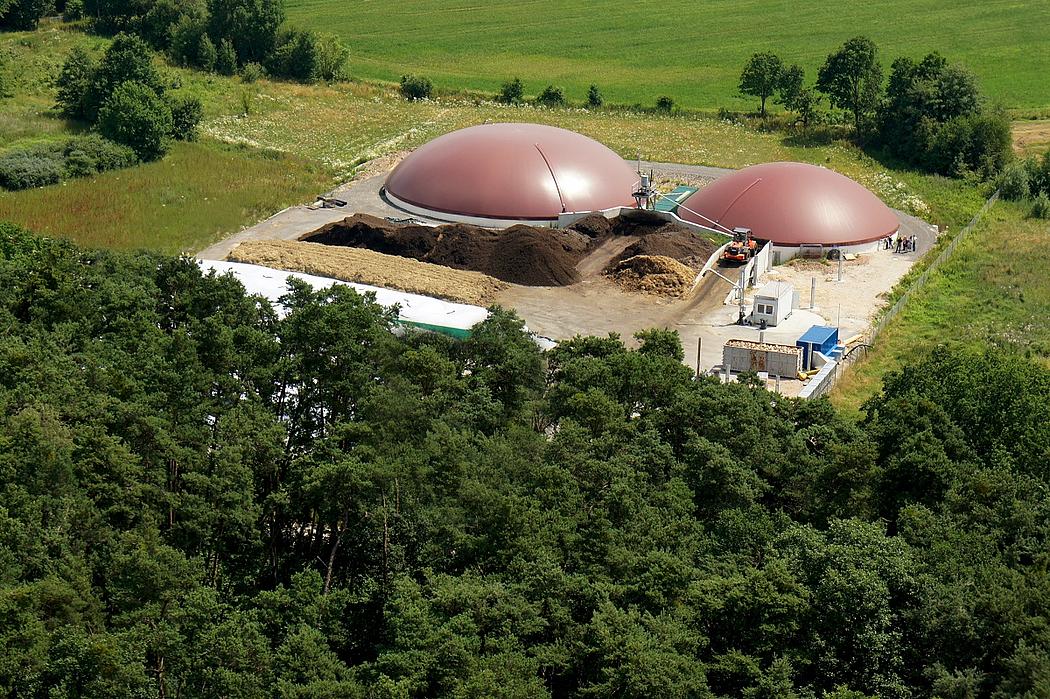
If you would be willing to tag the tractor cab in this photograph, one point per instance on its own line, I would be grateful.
(742, 248)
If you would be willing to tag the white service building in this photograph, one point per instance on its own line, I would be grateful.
(773, 303)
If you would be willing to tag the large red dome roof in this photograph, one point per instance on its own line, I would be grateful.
(793, 204)
(512, 172)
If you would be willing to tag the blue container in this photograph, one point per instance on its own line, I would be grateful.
(819, 338)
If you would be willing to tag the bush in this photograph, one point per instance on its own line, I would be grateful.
(205, 54)
(128, 59)
(5, 85)
(25, 14)
(136, 116)
(1014, 182)
(551, 97)
(594, 97)
(87, 155)
(1039, 174)
(226, 58)
(331, 57)
(36, 166)
(73, 11)
(252, 72)
(74, 83)
(167, 19)
(186, 113)
(49, 163)
(1040, 206)
(978, 143)
(252, 26)
(295, 57)
(185, 40)
(664, 104)
(416, 87)
(511, 92)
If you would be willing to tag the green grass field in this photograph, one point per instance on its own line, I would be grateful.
(691, 51)
(992, 293)
(194, 196)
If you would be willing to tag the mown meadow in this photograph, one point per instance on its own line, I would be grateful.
(690, 51)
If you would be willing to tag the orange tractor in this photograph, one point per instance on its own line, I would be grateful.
(743, 247)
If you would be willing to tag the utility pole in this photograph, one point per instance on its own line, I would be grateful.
(699, 347)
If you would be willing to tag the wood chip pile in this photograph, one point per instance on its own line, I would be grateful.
(368, 267)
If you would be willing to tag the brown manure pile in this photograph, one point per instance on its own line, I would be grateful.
(664, 260)
(370, 267)
(677, 243)
(652, 274)
(519, 254)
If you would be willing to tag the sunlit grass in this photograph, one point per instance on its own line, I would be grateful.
(992, 294)
(691, 51)
(195, 196)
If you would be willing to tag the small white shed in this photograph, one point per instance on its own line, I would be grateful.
(773, 303)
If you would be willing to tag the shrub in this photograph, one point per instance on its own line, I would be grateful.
(136, 116)
(252, 72)
(594, 97)
(252, 26)
(167, 18)
(1039, 174)
(128, 59)
(551, 97)
(73, 11)
(5, 86)
(205, 54)
(296, 56)
(977, 143)
(74, 82)
(226, 58)
(511, 92)
(246, 101)
(331, 57)
(185, 40)
(664, 104)
(49, 163)
(1040, 206)
(416, 87)
(36, 166)
(1014, 182)
(186, 113)
(25, 14)
(86, 155)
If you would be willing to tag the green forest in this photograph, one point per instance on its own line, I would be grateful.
(205, 496)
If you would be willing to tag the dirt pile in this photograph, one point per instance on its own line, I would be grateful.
(594, 226)
(519, 254)
(679, 244)
(652, 274)
(370, 267)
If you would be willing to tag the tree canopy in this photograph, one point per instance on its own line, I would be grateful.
(761, 76)
(852, 79)
(206, 496)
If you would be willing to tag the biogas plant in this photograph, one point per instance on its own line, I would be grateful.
(775, 268)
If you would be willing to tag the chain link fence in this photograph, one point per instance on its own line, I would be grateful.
(861, 351)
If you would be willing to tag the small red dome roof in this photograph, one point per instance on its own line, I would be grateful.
(793, 204)
(512, 171)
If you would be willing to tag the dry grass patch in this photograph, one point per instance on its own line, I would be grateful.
(369, 267)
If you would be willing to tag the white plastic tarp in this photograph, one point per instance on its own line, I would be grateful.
(272, 284)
